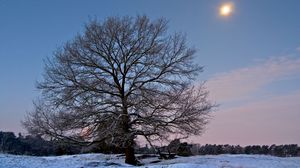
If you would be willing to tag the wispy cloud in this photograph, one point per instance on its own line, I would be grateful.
(270, 119)
(274, 120)
(241, 83)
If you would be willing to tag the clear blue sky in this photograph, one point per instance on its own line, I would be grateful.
(251, 59)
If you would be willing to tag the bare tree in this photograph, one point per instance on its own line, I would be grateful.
(123, 78)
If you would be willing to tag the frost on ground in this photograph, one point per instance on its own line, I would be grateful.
(101, 160)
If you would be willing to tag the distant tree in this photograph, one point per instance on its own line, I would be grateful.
(184, 149)
(123, 78)
(220, 149)
(255, 149)
(209, 149)
(265, 149)
(289, 150)
(195, 149)
(279, 151)
(248, 150)
(173, 146)
(8, 140)
(239, 149)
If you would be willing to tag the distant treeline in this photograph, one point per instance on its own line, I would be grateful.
(37, 146)
(34, 145)
(185, 149)
(274, 150)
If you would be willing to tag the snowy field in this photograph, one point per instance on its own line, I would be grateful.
(101, 160)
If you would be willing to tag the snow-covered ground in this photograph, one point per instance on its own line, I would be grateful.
(101, 160)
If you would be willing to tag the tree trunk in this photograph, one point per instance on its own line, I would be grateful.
(129, 150)
(129, 156)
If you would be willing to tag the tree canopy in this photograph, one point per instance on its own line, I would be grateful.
(122, 78)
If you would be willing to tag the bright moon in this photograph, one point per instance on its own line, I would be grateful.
(226, 9)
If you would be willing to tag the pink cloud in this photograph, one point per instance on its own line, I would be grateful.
(241, 83)
(272, 121)
(258, 120)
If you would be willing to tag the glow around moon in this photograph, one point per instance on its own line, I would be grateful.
(226, 9)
